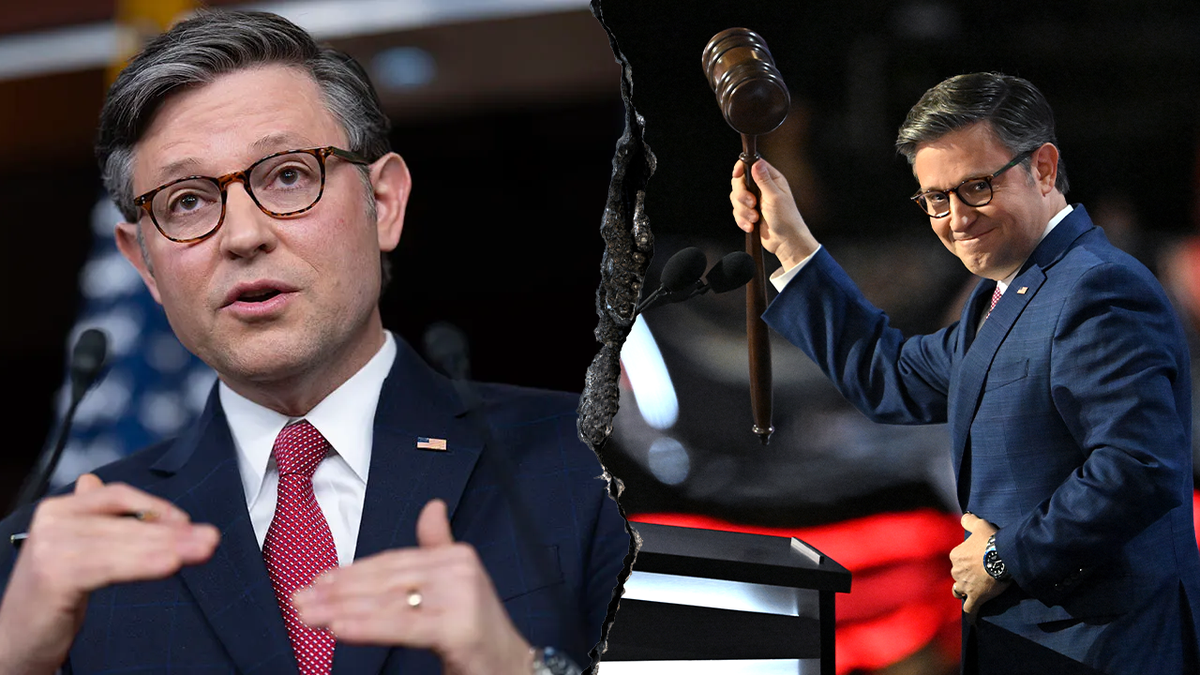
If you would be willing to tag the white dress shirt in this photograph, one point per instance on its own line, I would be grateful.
(781, 277)
(346, 418)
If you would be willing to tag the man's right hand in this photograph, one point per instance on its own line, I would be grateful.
(783, 231)
(81, 542)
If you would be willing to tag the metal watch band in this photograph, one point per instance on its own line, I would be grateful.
(992, 562)
(550, 661)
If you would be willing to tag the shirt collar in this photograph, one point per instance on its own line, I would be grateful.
(1058, 218)
(345, 418)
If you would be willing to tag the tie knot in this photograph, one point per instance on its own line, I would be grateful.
(299, 448)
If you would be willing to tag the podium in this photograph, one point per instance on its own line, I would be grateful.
(700, 601)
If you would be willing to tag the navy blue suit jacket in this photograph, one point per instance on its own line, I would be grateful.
(222, 617)
(1069, 416)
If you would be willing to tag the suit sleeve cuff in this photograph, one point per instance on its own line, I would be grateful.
(781, 277)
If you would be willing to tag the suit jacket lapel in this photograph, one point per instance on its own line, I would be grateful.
(968, 323)
(977, 361)
(415, 402)
(968, 379)
(973, 312)
(232, 589)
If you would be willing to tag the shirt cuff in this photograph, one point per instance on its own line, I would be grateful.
(781, 277)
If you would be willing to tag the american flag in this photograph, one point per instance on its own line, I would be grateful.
(431, 443)
(151, 386)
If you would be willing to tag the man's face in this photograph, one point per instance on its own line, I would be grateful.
(267, 302)
(995, 239)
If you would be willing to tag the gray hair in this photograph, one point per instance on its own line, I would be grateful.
(1013, 108)
(195, 52)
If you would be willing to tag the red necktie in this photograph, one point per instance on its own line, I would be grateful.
(995, 298)
(299, 546)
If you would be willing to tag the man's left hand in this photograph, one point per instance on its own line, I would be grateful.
(436, 596)
(966, 559)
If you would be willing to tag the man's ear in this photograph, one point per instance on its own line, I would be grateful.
(1043, 166)
(391, 185)
(135, 253)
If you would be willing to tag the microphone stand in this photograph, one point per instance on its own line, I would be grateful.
(87, 360)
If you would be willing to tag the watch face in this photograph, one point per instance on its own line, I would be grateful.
(994, 565)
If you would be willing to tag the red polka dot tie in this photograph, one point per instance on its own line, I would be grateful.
(995, 298)
(299, 546)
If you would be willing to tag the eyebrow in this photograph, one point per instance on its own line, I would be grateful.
(267, 144)
(281, 141)
(921, 190)
(175, 169)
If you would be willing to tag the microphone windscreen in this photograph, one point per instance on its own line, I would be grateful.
(87, 359)
(733, 271)
(683, 269)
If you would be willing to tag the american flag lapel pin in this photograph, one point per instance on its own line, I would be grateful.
(431, 443)
(1021, 290)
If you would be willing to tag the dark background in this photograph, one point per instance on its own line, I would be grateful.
(1122, 78)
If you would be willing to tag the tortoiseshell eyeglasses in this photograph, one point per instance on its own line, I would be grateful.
(282, 184)
(976, 191)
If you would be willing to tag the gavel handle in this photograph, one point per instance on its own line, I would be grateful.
(756, 303)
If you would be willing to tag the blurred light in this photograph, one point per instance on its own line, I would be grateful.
(738, 596)
(106, 401)
(647, 373)
(79, 458)
(58, 51)
(669, 461)
(163, 412)
(198, 386)
(165, 354)
(327, 19)
(403, 68)
(97, 45)
(122, 323)
(105, 215)
(108, 276)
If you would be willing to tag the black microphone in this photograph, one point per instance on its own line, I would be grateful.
(445, 346)
(733, 271)
(87, 360)
(683, 270)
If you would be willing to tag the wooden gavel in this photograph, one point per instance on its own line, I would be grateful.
(754, 100)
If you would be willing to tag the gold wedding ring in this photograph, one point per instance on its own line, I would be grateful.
(414, 598)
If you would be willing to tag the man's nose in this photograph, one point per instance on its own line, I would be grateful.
(961, 214)
(247, 230)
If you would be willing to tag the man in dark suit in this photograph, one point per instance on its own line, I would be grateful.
(1065, 383)
(253, 171)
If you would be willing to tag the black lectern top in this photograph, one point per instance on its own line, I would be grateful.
(734, 556)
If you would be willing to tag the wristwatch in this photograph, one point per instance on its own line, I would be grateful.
(992, 562)
(550, 661)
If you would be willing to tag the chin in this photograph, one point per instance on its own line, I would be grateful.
(976, 267)
(259, 361)
(981, 266)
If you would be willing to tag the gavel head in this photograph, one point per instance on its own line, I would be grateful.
(749, 88)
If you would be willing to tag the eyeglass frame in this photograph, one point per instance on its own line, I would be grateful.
(988, 179)
(146, 201)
